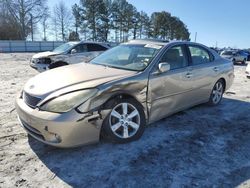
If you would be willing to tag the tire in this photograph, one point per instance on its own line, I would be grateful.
(217, 93)
(126, 121)
(244, 62)
(57, 64)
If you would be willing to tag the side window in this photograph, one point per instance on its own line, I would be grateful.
(176, 57)
(80, 48)
(96, 47)
(200, 55)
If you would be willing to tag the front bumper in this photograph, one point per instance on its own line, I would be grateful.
(39, 67)
(248, 74)
(61, 130)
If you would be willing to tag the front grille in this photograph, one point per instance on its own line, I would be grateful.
(30, 100)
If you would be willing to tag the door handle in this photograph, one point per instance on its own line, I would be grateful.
(216, 69)
(189, 75)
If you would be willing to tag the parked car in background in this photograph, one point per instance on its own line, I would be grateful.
(68, 53)
(248, 70)
(247, 53)
(117, 93)
(235, 56)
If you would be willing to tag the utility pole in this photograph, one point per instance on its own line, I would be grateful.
(195, 37)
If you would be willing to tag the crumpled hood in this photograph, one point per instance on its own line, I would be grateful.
(82, 75)
(44, 54)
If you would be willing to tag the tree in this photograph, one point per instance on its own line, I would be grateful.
(74, 36)
(99, 17)
(167, 27)
(62, 17)
(123, 15)
(44, 22)
(25, 14)
(90, 11)
(77, 16)
(105, 20)
(9, 28)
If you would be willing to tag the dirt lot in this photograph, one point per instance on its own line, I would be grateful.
(201, 147)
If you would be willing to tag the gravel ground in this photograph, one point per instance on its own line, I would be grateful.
(200, 147)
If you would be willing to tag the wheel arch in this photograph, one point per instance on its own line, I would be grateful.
(224, 82)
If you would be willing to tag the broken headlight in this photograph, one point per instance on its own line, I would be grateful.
(67, 102)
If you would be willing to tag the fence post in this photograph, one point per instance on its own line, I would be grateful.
(10, 46)
(25, 46)
(40, 46)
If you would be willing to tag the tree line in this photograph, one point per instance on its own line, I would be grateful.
(97, 20)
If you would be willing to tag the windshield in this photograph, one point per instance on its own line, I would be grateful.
(64, 47)
(128, 56)
(227, 53)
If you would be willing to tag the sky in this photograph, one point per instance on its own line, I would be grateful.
(217, 22)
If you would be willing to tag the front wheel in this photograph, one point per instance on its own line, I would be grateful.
(126, 121)
(217, 93)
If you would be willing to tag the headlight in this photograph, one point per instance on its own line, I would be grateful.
(68, 101)
(34, 60)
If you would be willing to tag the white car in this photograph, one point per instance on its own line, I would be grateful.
(235, 56)
(248, 70)
(68, 53)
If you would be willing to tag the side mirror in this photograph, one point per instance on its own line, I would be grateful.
(73, 51)
(164, 67)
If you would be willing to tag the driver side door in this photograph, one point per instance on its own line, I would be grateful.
(169, 92)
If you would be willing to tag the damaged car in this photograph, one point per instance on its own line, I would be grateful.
(67, 53)
(121, 91)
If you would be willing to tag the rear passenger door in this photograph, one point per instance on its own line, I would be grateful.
(80, 51)
(203, 72)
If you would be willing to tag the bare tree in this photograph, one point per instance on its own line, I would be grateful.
(63, 18)
(27, 13)
(44, 22)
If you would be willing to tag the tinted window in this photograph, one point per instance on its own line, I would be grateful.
(96, 47)
(175, 57)
(199, 55)
(80, 48)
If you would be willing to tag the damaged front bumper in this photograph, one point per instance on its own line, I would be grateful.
(39, 66)
(69, 129)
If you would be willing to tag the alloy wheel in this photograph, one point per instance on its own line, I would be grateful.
(124, 120)
(217, 92)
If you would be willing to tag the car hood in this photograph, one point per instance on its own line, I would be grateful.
(73, 77)
(44, 54)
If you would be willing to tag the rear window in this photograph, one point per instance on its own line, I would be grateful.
(227, 53)
(200, 55)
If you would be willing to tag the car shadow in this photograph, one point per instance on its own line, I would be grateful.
(203, 146)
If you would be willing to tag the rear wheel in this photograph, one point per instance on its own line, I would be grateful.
(234, 61)
(126, 121)
(217, 93)
(244, 62)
